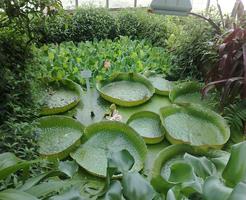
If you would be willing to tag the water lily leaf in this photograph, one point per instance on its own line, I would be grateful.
(61, 96)
(59, 135)
(162, 86)
(68, 167)
(135, 187)
(148, 125)
(194, 121)
(235, 170)
(126, 89)
(203, 166)
(12, 194)
(71, 194)
(114, 192)
(213, 189)
(105, 137)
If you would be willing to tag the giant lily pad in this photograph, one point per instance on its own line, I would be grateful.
(58, 136)
(194, 125)
(183, 165)
(148, 125)
(61, 96)
(188, 92)
(105, 137)
(126, 89)
(162, 86)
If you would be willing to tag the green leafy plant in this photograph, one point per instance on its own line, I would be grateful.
(103, 58)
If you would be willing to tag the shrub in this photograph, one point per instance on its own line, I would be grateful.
(89, 24)
(139, 24)
(190, 41)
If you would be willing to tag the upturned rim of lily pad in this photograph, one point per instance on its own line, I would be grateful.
(135, 77)
(197, 111)
(60, 121)
(151, 115)
(71, 85)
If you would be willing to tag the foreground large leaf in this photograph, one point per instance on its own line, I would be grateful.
(16, 195)
(9, 164)
(235, 170)
(214, 189)
(135, 187)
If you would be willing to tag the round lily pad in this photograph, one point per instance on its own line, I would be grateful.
(162, 86)
(188, 92)
(61, 96)
(126, 89)
(106, 137)
(58, 135)
(183, 164)
(148, 125)
(195, 125)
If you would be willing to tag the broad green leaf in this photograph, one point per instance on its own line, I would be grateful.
(114, 191)
(135, 187)
(35, 180)
(122, 160)
(16, 195)
(46, 188)
(9, 164)
(180, 172)
(71, 194)
(175, 194)
(202, 166)
(214, 189)
(68, 167)
(235, 170)
(239, 192)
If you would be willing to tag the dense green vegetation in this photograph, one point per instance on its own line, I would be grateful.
(40, 42)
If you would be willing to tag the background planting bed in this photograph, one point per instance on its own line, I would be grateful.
(58, 136)
(126, 89)
(61, 96)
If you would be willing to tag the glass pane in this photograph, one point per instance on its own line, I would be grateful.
(121, 3)
(98, 3)
(68, 4)
(143, 3)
